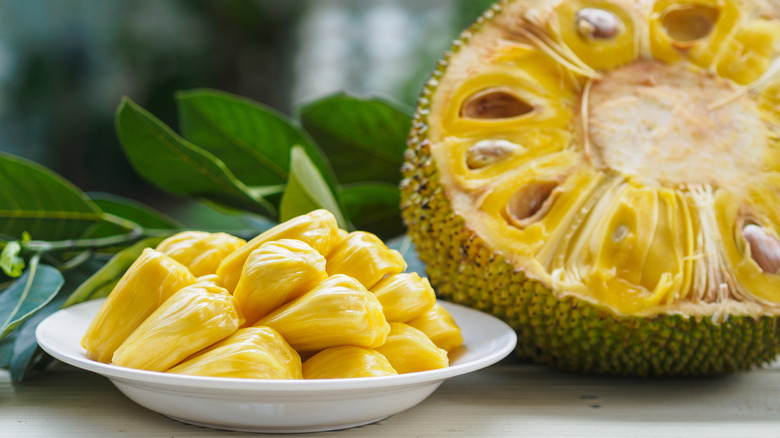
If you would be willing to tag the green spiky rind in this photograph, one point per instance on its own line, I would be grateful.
(564, 332)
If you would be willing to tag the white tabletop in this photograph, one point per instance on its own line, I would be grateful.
(507, 399)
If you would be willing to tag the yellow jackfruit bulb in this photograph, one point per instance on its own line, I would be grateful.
(338, 311)
(341, 235)
(192, 319)
(410, 351)
(318, 228)
(149, 281)
(345, 362)
(211, 279)
(200, 251)
(364, 256)
(440, 327)
(404, 296)
(249, 353)
(274, 274)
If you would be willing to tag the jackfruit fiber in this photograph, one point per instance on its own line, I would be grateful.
(604, 175)
(347, 361)
(249, 353)
(146, 285)
(275, 273)
(193, 318)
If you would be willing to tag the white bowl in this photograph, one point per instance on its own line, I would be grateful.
(288, 406)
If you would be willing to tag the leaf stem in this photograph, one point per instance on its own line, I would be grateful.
(136, 232)
(76, 260)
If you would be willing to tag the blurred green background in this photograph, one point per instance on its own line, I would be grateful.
(65, 64)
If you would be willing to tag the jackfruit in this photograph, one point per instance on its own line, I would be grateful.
(365, 257)
(346, 362)
(603, 175)
(146, 285)
(318, 229)
(440, 327)
(199, 251)
(191, 319)
(211, 279)
(275, 273)
(409, 351)
(404, 296)
(249, 353)
(338, 311)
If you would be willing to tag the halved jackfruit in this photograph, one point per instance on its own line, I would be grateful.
(276, 273)
(346, 362)
(318, 229)
(199, 251)
(191, 319)
(249, 353)
(603, 175)
(146, 285)
(338, 311)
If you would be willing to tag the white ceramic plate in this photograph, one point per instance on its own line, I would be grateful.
(278, 405)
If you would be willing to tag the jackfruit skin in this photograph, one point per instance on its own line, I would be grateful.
(567, 333)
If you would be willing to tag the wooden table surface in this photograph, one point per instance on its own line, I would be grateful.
(507, 399)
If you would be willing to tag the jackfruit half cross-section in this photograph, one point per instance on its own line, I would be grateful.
(604, 176)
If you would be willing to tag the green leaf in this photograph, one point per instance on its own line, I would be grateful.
(165, 159)
(26, 354)
(10, 262)
(373, 207)
(365, 139)
(101, 283)
(36, 200)
(307, 190)
(253, 140)
(129, 209)
(7, 350)
(33, 290)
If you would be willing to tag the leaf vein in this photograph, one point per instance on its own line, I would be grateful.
(244, 146)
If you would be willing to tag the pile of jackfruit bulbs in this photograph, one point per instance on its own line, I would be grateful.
(211, 304)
